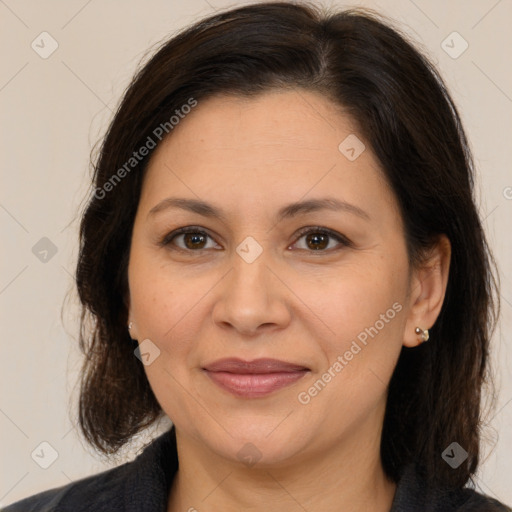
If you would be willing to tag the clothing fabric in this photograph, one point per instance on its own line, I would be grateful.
(143, 485)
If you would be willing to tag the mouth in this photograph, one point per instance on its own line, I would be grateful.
(253, 379)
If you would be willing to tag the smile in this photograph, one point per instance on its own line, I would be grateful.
(253, 379)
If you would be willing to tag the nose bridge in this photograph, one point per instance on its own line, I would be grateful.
(251, 295)
(251, 269)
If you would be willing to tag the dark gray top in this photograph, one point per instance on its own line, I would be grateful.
(143, 486)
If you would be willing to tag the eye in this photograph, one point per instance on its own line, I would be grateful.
(195, 239)
(317, 238)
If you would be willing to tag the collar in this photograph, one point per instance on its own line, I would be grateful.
(148, 480)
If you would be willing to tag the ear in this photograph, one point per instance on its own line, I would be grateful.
(132, 328)
(126, 301)
(427, 290)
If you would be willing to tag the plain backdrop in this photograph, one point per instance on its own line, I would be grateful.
(55, 109)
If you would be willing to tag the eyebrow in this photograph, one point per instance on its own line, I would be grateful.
(286, 212)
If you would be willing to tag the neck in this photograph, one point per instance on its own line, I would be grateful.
(349, 478)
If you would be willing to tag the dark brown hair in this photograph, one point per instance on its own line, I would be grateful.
(407, 117)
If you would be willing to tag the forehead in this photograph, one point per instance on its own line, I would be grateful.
(291, 121)
(290, 143)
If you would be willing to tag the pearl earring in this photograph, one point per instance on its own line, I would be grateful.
(423, 333)
(130, 325)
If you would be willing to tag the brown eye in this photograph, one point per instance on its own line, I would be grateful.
(317, 239)
(193, 239)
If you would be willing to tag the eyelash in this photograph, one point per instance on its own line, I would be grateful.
(344, 241)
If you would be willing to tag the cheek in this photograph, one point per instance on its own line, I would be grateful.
(163, 305)
(150, 297)
(354, 298)
(168, 306)
(363, 309)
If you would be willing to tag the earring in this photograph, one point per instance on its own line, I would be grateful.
(423, 333)
(130, 325)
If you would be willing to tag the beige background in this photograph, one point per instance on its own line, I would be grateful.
(53, 111)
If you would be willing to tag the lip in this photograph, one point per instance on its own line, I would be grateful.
(253, 379)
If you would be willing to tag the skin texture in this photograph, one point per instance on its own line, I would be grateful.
(250, 157)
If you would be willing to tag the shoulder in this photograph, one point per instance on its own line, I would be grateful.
(475, 502)
(413, 494)
(141, 484)
(76, 496)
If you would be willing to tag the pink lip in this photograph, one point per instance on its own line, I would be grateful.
(252, 379)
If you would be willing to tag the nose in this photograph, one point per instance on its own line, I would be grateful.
(252, 298)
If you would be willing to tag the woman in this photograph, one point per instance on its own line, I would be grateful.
(282, 255)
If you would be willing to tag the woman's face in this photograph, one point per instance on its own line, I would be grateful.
(249, 283)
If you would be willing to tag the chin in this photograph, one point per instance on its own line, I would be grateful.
(258, 444)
